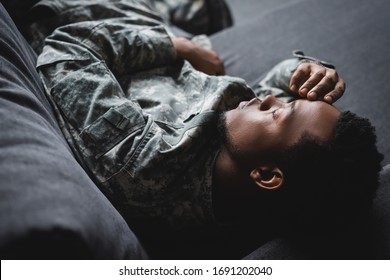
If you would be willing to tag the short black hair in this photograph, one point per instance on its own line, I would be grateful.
(329, 184)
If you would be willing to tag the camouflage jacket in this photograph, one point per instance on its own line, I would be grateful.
(140, 122)
(196, 17)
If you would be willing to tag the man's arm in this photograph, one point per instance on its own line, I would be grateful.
(292, 79)
(126, 45)
(204, 60)
(80, 64)
(316, 82)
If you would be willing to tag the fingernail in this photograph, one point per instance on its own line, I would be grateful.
(293, 87)
(304, 91)
(328, 99)
(313, 95)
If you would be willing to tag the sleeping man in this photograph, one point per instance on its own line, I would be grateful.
(176, 145)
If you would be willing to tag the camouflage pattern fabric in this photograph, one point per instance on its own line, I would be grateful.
(141, 123)
(194, 16)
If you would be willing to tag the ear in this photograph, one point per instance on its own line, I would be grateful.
(266, 177)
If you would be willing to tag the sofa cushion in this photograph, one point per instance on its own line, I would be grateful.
(18, 9)
(49, 208)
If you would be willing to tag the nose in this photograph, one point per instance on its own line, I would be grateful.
(268, 102)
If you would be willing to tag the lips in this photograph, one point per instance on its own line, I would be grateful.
(243, 104)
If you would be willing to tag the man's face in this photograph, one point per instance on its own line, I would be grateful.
(259, 129)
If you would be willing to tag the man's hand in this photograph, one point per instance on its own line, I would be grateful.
(316, 82)
(201, 59)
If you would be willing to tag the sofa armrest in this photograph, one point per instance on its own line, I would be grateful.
(49, 207)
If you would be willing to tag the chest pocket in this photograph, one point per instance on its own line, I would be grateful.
(112, 127)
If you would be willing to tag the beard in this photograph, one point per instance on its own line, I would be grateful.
(224, 135)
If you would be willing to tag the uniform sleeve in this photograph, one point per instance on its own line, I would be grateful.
(126, 45)
(276, 82)
(80, 62)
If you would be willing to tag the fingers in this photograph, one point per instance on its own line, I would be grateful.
(217, 66)
(201, 59)
(213, 66)
(220, 72)
(206, 61)
(335, 94)
(316, 82)
(314, 85)
(299, 77)
(318, 85)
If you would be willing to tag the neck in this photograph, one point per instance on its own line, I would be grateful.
(230, 188)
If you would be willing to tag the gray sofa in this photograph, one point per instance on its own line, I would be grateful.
(49, 208)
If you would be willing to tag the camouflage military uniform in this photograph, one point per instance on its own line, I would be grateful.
(196, 17)
(140, 122)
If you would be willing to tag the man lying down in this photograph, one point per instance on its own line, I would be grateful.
(177, 145)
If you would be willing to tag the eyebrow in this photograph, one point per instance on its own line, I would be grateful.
(292, 109)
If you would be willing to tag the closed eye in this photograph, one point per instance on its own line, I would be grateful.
(291, 112)
(274, 115)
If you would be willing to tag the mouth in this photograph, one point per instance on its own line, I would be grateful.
(242, 104)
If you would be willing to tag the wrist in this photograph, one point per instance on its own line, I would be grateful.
(183, 47)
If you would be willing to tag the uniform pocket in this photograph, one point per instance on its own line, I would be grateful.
(112, 127)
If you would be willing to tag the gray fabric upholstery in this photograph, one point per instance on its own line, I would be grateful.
(49, 208)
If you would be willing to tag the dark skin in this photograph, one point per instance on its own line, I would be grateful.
(245, 166)
(204, 60)
(310, 80)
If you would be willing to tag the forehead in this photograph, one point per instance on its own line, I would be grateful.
(318, 118)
